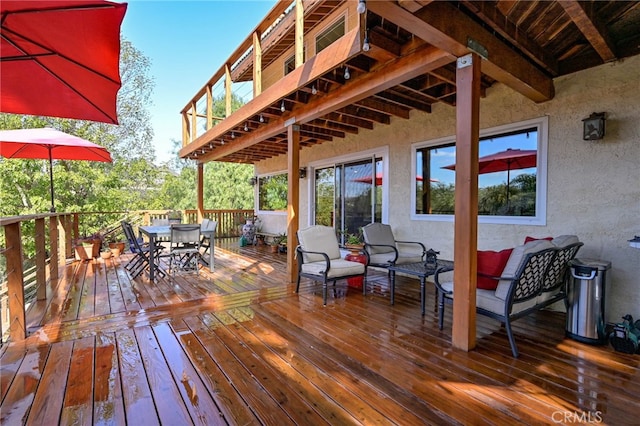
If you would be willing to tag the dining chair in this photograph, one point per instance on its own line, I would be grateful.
(184, 248)
(141, 253)
(206, 241)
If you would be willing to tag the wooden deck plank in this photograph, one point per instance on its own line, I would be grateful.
(265, 408)
(48, 401)
(353, 375)
(21, 393)
(277, 386)
(139, 405)
(198, 401)
(232, 406)
(69, 309)
(108, 403)
(101, 303)
(360, 401)
(163, 387)
(77, 407)
(323, 399)
(87, 302)
(114, 289)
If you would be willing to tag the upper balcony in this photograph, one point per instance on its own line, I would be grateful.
(334, 71)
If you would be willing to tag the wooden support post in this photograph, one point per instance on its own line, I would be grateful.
(54, 245)
(466, 202)
(209, 123)
(186, 130)
(200, 193)
(15, 285)
(257, 64)
(299, 34)
(41, 260)
(227, 90)
(194, 121)
(293, 198)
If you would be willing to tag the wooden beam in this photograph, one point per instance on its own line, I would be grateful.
(293, 197)
(384, 107)
(15, 281)
(465, 242)
(444, 26)
(423, 60)
(588, 24)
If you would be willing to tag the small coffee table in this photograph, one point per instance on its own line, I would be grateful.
(421, 270)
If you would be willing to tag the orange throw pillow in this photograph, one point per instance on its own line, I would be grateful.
(491, 263)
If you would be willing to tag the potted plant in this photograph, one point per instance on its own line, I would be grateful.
(115, 246)
(277, 241)
(353, 242)
(88, 247)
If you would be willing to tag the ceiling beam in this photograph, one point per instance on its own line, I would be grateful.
(444, 26)
(588, 24)
(423, 60)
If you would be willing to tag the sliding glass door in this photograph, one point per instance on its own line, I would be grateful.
(349, 195)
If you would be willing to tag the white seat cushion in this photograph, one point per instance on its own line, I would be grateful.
(339, 268)
(517, 256)
(378, 233)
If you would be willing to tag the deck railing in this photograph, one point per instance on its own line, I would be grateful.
(35, 246)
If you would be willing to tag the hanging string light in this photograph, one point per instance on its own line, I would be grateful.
(347, 74)
(283, 107)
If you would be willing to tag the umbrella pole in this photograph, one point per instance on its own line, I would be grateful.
(53, 207)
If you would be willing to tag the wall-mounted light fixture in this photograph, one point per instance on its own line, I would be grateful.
(253, 180)
(283, 107)
(347, 74)
(593, 127)
(303, 172)
(362, 6)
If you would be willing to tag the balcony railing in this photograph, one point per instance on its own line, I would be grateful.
(34, 247)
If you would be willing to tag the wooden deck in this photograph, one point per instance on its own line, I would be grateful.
(238, 346)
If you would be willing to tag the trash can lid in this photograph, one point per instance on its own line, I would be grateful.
(602, 265)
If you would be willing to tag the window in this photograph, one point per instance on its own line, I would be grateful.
(290, 62)
(511, 178)
(350, 191)
(272, 192)
(331, 34)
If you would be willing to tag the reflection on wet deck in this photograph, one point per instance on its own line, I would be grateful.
(238, 346)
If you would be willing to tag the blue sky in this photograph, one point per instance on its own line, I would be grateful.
(186, 41)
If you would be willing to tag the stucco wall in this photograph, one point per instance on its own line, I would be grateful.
(593, 186)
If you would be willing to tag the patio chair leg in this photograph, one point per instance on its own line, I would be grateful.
(512, 340)
(298, 283)
(440, 309)
(324, 292)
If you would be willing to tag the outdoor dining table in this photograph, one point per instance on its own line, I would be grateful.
(163, 232)
(421, 270)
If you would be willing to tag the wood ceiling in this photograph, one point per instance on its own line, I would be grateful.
(543, 39)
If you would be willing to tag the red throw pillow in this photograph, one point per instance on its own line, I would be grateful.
(527, 239)
(491, 263)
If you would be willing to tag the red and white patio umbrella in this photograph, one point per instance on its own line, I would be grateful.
(49, 144)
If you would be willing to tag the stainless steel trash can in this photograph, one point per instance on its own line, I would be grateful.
(586, 299)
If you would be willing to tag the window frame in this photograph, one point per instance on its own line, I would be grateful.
(327, 29)
(257, 194)
(540, 219)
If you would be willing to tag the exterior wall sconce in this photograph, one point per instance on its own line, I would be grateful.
(303, 172)
(593, 127)
(253, 181)
(362, 6)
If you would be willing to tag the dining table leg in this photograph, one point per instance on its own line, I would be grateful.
(152, 264)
